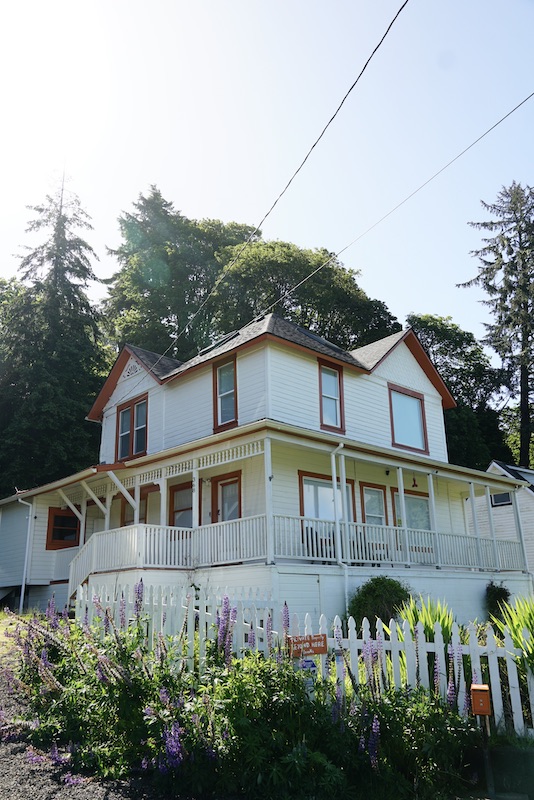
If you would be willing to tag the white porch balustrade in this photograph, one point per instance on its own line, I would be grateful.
(295, 539)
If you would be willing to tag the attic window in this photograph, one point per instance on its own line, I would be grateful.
(408, 422)
(132, 429)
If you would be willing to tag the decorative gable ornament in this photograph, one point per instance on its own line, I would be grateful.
(132, 368)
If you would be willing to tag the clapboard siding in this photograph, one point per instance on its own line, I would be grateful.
(188, 408)
(13, 536)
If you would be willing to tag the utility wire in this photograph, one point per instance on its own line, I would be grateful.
(245, 244)
(395, 208)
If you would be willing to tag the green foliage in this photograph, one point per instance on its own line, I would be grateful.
(518, 617)
(379, 597)
(428, 612)
(109, 705)
(506, 273)
(273, 276)
(496, 596)
(474, 434)
(51, 357)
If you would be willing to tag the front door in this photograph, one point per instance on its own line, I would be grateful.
(226, 497)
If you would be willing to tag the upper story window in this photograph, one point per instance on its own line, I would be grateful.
(331, 392)
(408, 423)
(63, 529)
(132, 428)
(225, 394)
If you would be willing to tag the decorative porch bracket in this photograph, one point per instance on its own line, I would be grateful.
(122, 489)
(77, 513)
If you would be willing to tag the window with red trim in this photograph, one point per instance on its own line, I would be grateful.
(132, 427)
(331, 396)
(408, 422)
(225, 395)
(63, 529)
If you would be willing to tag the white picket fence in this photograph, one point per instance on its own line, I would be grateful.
(392, 657)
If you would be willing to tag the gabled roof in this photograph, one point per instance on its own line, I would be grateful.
(371, 355)
(272, 327)
(520, 473)
(154, 364)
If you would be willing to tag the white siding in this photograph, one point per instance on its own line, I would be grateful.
(251, 392)
(294, 382)
(13, 535)
(189, 408)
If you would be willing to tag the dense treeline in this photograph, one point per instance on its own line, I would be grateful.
(181, 283)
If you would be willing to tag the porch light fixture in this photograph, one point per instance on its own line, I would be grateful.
(414, 484)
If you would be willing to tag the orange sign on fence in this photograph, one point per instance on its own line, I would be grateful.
(311, 645)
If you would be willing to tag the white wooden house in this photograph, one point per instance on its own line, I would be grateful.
(273, 460)
(500, 521)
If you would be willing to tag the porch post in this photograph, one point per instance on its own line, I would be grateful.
(107, 515)
(492, 528)
(163, 503)
(475, 521)
(269, 515)
(345, 515)
(433, 523)
(195, 508)
(402, 504)
(337, 535)
(137, 498)
(83, 521)
(519, 526)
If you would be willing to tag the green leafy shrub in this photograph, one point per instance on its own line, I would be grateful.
(496, 596)
(379, 597)
(108, 702)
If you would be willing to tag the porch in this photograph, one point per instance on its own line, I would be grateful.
(283, 539)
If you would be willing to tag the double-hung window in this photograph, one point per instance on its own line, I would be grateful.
(317, 498)
(417, 511)
(331, 396)
(408, 422)
(225, 394)
(132, 429)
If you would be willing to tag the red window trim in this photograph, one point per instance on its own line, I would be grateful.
(227, 477)
(131, 405)
(383, 489)
(335, 368)
(143, 495)
(392, 387)
(57, 544)
(319, 476)
(178, 487)
(218, 426)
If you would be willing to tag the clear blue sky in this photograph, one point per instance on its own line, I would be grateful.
(217, 103)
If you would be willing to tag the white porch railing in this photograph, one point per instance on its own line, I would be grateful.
(295, 539)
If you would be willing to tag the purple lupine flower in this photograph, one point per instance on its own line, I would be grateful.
(233, 615)
(44, 659)
(100, 674)
(122, 611)
(72, 780)
(98, 605)
(85, 622)
(51, 613)
(65, 614)
(269, 633)
(173, 745)
(223, 622)
(285, 619)
(164, 695)
(251, 638)
(467, 704)
(107, 623)
(138, 598)
(361, 744)
(228, 647)
(34, 758)
(372, 744)
(56, 758)
(144, 763)
(149, 712)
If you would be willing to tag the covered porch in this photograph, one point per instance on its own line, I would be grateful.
(280, 498)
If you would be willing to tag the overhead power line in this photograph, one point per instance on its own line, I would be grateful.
(395, 208)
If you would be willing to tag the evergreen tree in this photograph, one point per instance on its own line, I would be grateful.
(474, 435)
(506, 273)
(51, 360)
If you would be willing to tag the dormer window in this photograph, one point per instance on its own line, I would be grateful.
(408, 422)
(132, 429)
(331, 396)
(225, 395)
